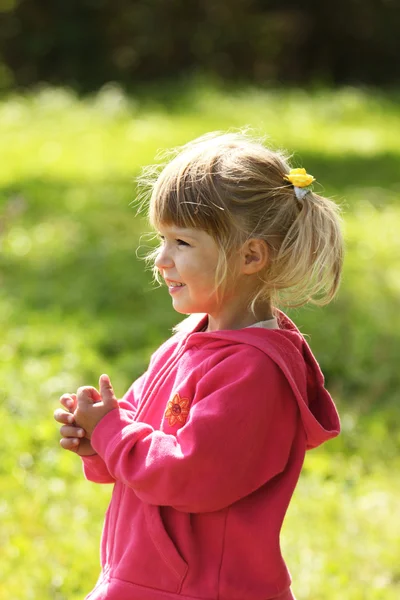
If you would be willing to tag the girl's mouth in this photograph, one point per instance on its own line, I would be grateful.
(174, 287)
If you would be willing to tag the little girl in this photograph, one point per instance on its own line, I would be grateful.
(205, 449)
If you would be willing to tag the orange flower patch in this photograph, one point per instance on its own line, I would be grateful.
(177, 410)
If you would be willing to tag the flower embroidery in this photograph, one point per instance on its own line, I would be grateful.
(177, 410)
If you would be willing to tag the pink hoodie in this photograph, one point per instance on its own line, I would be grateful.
(205, 452)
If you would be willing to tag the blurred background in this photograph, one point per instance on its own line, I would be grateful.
(90, 91)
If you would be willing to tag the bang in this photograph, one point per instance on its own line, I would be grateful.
(183, 203)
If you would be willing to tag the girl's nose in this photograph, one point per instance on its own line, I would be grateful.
(163, 259)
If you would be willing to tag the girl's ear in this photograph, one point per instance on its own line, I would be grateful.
(254, 256)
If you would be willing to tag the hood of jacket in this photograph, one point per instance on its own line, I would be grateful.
(287, 347)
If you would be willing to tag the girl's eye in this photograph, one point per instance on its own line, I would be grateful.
(177, 240)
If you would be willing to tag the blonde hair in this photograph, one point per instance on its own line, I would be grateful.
(231, 186)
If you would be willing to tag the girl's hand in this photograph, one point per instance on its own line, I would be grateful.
(72, 436)
(92, 406)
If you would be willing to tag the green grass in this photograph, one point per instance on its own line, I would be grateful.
(75, 301)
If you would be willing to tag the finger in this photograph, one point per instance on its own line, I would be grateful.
(61, 416)
(70, 444)
(68, 431)
(68, 401)
(106, 390)
(87, 394)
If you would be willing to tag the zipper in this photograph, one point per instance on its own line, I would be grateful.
(115, 503)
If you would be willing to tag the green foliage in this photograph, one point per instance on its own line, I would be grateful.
(86, 43)
(75, 301)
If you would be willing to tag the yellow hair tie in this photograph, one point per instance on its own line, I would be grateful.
(301, 182)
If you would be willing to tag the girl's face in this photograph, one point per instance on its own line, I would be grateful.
(187, 261)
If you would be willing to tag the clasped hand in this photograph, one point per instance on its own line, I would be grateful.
(86, 409)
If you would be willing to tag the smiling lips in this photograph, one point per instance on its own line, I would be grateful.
(173, 286)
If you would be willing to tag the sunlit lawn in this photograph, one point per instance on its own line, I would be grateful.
(75, 301)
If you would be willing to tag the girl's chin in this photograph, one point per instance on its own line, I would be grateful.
(185, 308)
(182, 309)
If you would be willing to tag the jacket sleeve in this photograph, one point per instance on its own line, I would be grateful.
(94, 467)
(238, 436)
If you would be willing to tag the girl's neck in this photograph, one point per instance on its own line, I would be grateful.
(239, 320)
